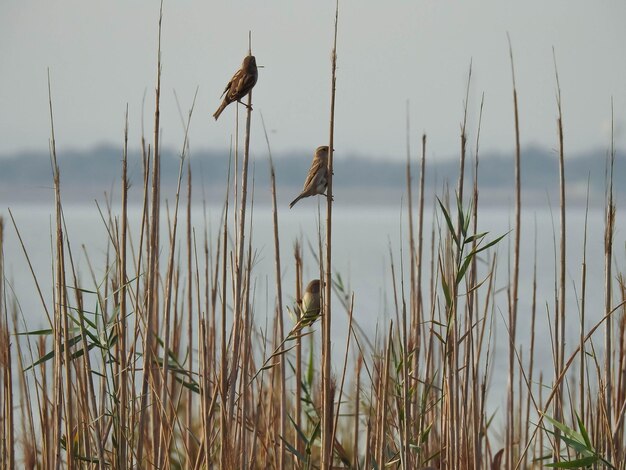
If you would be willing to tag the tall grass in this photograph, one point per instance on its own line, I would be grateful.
(174, 366)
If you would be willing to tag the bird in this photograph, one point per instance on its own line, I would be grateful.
(317, 178)
(240, 85)
(310, 306)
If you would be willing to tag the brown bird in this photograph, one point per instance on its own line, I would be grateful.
(310, 308)
(317, 179)
(240, 85)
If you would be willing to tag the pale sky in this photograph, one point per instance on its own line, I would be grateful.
(102, 56)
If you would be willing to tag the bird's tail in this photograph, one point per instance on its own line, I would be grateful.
(295, 200)
(217, 113)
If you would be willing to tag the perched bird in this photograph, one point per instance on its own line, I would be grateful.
(308, 311)
(240, 85)
(317, 179)
(310, 307)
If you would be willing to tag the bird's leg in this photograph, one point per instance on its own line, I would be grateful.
(332, 198)
(247, 106)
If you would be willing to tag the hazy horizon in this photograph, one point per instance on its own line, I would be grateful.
(87, 174)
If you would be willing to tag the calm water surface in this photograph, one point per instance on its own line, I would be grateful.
(364, 241)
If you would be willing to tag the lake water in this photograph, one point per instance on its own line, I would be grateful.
(363, 239)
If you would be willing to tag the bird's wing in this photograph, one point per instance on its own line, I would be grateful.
(231, 86)
(242, 85)
(317, 171)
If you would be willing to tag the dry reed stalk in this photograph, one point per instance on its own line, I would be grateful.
(343, 374)
(247, 362)
(461, 441)
(279, 306)
(378, 392)
(165, 395)
(489, 303)
(327, 404)
(621, 390)
(368, 445)
(148, 424)
(516, 254)
(472, 303)
(123, 434)
(62, 388)
(382, 424)
(429, 340)
(210, 365)
(223, 357)
(446, 261)
(45, 414)
(203, 365)
(463, 141)
(297, 253)
(210, 290)
(408, 338)
(608, 328)
(583, 306)
(202, 456)
(7, 418)
(139, 306)
(29, 438)
(190, 320)
(86, 392)
(533, 313)
(417, 320)
(152, 381)
(357, 403)
(240, 243)
(560, 314)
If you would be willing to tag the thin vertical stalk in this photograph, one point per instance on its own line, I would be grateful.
(224, 440)
(608, 328)
(7, 419)
(246, 347)
(190, 322)
(459, 428)
(62, 345)
(533, 313)
(583, 303)
(516, 261)
(151, 379)
(344, 369)
(86, 394)
(327, 404)
(412, 303)
(419, 302)
(239, 265)
(279, 313)
(122, 324)
(382, 398)
(298, 398)
(472, 305)
(357, 403)
(560, 339)
(165, 392)
(141, 307)
(464, 141)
